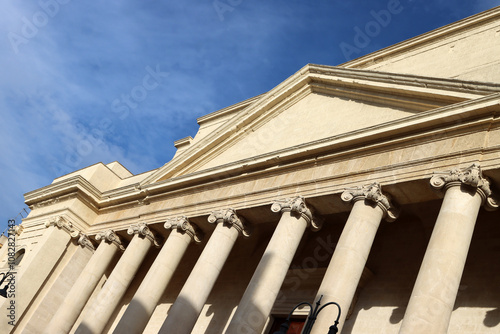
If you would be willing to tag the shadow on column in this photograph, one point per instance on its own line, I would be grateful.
(131, 290)
(140, 314)
(397, 314)
(234, 278)
(220, 317)
(394, 259)
(492, 318)
(84, 329)
(189, 312)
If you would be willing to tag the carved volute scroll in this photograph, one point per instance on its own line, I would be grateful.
(372, 192)
(297, 207)
(229, 218)
(143, 231)
(84, 241)
(183, 225)
(110, 236)
(65, 225)
(471, 176)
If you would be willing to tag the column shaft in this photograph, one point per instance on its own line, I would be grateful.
(75, 300)
(431, 302)
(36, 269)
(348, 261)
(184, 312)
(260, 295)
(100, 311)
(144, 302)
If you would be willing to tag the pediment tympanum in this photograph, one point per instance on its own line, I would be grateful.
(314, 117)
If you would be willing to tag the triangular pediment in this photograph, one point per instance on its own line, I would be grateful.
(311, 118)
(316, 103)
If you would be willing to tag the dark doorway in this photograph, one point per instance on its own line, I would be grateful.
(296, 324)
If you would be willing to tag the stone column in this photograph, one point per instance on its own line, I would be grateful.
(38, 267)
(184, 312)
(435, 290)
(99, 313)
(349, 259)
(142, 306)
(52, 296)
(261, 293)
(82, 289)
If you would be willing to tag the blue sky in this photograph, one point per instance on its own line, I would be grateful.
(122, 80)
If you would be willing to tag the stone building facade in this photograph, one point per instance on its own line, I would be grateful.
(372, 184)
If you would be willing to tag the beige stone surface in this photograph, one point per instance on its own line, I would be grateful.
(153, 286)
(55, 293)
(346, 266)
(68, 310)
(326, 116)
(36, 269)
(190, 301)
(436, 287)
(99, 313)
(262, 291)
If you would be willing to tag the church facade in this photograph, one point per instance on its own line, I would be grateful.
(372, 184)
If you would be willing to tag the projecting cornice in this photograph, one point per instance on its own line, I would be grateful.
(67, 188)
(228, 110)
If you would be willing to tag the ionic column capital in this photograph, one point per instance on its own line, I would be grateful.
(183, 225)
(143, 231)
(228, 217)
(84, 241)
(372, 192)
(297, 207)
(471, 176)
(110, 237)
(63, 224)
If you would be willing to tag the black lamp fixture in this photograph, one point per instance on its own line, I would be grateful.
(313, 314)
(3, 292)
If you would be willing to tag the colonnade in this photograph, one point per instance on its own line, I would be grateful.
(429, 308)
